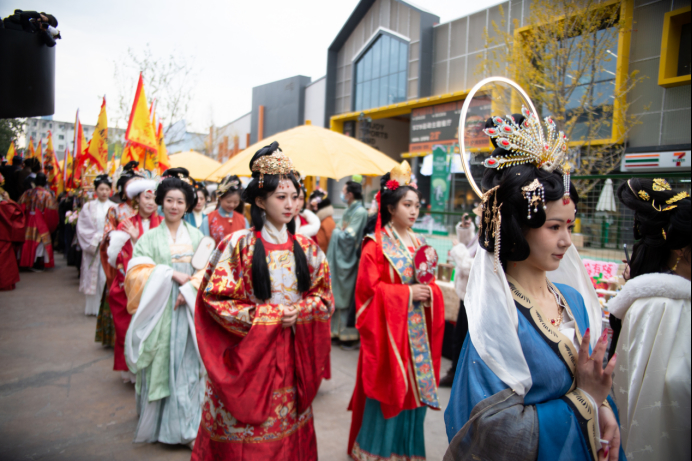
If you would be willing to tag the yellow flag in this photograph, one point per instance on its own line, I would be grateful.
(97, 153)
(10, 153)
(38, 153)
(164, 162)
(30, 149)
(139, 129)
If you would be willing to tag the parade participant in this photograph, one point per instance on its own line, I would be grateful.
(105, 328)
(343, 255)
(197, 217)
(90, 223)
(263, 328)
(160, 344)
(142, 193)
(652, 380)
(228, 217)
(41, 209)
(322, 206)
(462, 255)
(12, 222)
(307, 223)
(401, 325)
(525, 369)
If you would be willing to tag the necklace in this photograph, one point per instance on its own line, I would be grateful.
(556, 322)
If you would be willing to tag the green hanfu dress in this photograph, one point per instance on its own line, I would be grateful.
(343, 256)
(161, 345)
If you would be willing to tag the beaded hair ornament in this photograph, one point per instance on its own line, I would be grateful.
(228, 183)
(527, 143)
(277, 163)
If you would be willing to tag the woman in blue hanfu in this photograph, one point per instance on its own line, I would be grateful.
(530, 384)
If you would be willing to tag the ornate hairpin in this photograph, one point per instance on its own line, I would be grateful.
(677, 197)
(399, 176)
(276, 164)
(534, 193)
(660, 185)
(644, 195)
(227, 184)
(493, 222)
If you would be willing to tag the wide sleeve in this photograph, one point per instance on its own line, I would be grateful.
(381, 319)
(312, 329)
(313, 225)
(87, 233)
(204, 228)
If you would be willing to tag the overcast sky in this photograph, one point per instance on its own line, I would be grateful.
(234, 45)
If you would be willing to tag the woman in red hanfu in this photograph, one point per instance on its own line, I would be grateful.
(105, 328)
(12, 221)
(228, 217)
(262, 321)
(41, 209)
(401, 326)
(142, 193)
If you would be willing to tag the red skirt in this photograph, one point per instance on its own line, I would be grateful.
(36, 233)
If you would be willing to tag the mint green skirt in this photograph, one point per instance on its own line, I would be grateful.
(399, 438)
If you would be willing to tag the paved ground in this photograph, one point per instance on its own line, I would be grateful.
(60, 399)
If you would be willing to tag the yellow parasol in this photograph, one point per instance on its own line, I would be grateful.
(199, 165)
(315, 151)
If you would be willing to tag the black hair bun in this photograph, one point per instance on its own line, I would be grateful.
(131, 165)
(266, 150)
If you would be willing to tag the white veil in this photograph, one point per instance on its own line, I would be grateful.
(493, 317)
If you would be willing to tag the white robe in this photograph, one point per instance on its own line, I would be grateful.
(652, 374)
(92, 279)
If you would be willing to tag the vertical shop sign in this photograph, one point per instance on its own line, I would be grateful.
(439, 184)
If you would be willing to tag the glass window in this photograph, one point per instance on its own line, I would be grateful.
(381, 74)
(594, 90)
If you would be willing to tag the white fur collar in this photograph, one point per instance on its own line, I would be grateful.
(325, 212)
(649, 286)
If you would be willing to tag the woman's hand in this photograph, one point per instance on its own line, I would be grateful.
(420, 292)
(290, 316)
(590, 375)
(610, 431)
(132, 230)
(180, 278)
(180, 301)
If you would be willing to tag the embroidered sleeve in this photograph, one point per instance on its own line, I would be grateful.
(227, 288)
(318, 304)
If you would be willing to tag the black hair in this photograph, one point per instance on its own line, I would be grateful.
(232, 190)
(355, 188)
(170, 183)
(515, 220)
(17, 160)
(392, 198)
(40, 180)
(324, 203)
(33, 163)
(659, 227)
(305, 194)
(127, 174)
(199, 187)
(102, 179)
(261, 279)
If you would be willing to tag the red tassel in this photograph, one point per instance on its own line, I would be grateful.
(378, 229)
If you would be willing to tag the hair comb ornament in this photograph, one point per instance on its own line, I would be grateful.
(492, 220)
(276, 164)
(227, 183)
(534, 193)
(399, 176)
(661, 185)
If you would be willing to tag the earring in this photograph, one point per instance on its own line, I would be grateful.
(676, 265)
(534, 193)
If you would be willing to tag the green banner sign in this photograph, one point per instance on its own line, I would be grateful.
(439, 182)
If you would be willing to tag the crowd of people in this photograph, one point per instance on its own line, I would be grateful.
(222, 305)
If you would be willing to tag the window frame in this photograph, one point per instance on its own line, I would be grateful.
(364, 49)
(670, 48)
